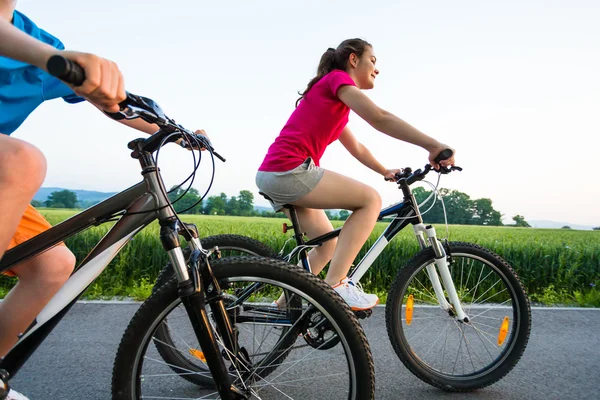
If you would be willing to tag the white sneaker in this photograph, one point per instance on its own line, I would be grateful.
(355, 297)
(14, 395)
(371, 297)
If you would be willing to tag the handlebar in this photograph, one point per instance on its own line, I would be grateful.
(409, 177)
(133, 107)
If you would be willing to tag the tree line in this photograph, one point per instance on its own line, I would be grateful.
(460, 208)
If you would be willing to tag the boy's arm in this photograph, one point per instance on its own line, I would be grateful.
(103, 85)
(20, 46)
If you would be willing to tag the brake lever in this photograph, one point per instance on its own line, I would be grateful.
(205, 142)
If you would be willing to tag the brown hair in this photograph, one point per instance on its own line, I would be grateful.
(336, 59)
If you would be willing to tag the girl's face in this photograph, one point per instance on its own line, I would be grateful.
(363, 69)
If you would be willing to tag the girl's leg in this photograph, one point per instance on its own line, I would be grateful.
(338, 191)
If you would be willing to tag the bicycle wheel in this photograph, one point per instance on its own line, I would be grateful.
(344, 371)
(229, 245)
(437, 347)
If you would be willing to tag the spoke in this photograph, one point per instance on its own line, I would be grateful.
(478, 282)
(467, 343)
(458, 352)
(177, 366)
(431, 296)
(180, 398)
(304, 358)
(436, 340)
(422, 330)
(481, 337)
(491, 297)
(491, 308)
(179, 336)
(422, 318)
(485, 336)
(490, 288)
(287, 383)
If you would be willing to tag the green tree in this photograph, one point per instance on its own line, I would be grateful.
(329, 215)
(485, 213)
(188, 200)
(62, 199)
(215, 205)
(343, 215)
(246, 200)
(566, 227)
(520, 221)
(597, 228)
(36, 203)
(233, 206)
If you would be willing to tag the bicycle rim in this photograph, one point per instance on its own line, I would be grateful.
(294, 368)
(449, 349)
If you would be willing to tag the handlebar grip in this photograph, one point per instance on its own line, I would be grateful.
(444, 155)
(66, 70)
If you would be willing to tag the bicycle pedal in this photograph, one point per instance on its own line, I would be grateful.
(363, 314)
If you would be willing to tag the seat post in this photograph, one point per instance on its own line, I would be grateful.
(298, 234)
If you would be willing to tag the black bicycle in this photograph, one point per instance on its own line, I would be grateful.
(457, 314)
(238, 359)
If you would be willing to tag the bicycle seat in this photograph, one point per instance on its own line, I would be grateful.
(288, 206)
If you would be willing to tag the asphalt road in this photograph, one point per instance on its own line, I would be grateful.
(562, 360)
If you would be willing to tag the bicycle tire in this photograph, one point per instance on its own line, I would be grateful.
(135, 341)
(486, 375)
(164, 345)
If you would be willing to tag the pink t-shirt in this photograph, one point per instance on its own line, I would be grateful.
(315, 123)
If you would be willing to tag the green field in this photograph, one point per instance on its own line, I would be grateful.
(555, 265)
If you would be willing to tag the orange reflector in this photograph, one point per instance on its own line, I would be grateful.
(198, 354)
(503, 331)
(409, 309)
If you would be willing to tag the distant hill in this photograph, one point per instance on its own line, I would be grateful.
(557, 225)
(86, 196)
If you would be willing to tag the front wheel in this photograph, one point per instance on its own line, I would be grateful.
(310, 368)
(229, 245)
(439, 348)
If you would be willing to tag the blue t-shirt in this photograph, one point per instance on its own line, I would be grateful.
(24, 87)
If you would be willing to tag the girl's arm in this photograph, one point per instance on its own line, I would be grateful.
(389, 124)
(362, 154)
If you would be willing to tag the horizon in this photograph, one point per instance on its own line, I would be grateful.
(512, 86)
(269, 208)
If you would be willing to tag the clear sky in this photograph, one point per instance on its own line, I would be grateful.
(514, 86)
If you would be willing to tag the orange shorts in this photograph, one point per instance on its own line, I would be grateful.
(32, 224)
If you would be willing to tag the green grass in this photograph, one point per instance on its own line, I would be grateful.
(555, 265)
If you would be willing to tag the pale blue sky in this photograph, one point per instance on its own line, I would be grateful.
(513, 86)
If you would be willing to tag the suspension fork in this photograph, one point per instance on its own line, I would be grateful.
(441, 261)
(194, 284)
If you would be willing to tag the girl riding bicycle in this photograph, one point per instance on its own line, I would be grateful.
(290, 172)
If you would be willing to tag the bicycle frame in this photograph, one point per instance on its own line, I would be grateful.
(405, 213)
(141, 204)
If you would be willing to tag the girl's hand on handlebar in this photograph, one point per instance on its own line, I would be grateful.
(390, 175)
(436, 151)
(103, 85)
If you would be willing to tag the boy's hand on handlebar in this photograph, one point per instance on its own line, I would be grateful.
(436, 152)
(194, 145)
(103, 85)
(390, 175)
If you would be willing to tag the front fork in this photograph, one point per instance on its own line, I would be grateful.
(196, 287)
(441, 261)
